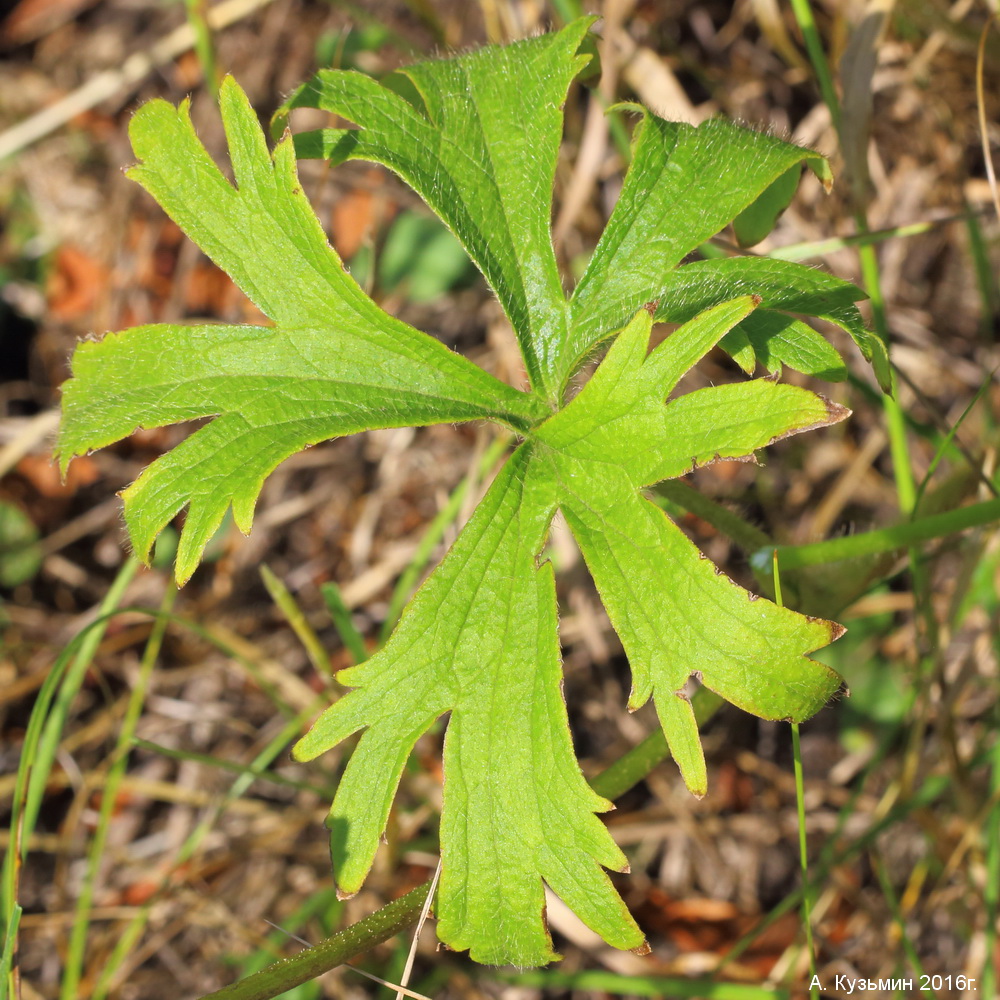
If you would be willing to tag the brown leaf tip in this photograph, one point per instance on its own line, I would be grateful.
(835, 628)
(835, 411)
(642, 950)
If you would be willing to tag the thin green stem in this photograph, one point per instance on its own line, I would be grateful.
(800, 805)
(8, 974)
(203, 45)
(817, 56)
(868, 543)
(895, 417)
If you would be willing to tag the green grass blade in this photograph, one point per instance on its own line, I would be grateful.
(898, 536)
(45, 726)
(817, 55)
(76, 950)
(599, 981)
(352, 639)
(985, 277)
(949, 437)
(7, 983)
(295, 617)
(203, 45)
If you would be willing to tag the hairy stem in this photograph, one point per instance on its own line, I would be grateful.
(287, 973)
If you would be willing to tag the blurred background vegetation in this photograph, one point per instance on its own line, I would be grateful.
(174, 833)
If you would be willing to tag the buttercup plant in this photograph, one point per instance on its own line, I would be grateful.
(477, 137)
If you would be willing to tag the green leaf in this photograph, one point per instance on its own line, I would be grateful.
(774, 338)
(770, 336)
(478, 135)
(479, 640)
(477, 139)
(758, 218)
(423, 257)
(684, 185)
(677, 616)
(20, 553)
(481, 151)
(333, 364)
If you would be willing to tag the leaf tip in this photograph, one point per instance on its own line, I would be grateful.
(697, 789)
(836, 411)
(183, 569)
(303, 751)
(642, 950)
(638, 697)
(63, 455)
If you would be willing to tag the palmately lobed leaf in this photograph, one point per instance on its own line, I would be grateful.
(477, 136)
(479, 640)
(685, 184)
(481, 151)
(676, 615)
(333, 364)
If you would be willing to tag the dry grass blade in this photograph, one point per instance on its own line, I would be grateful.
(981, 109)
(401, 990)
